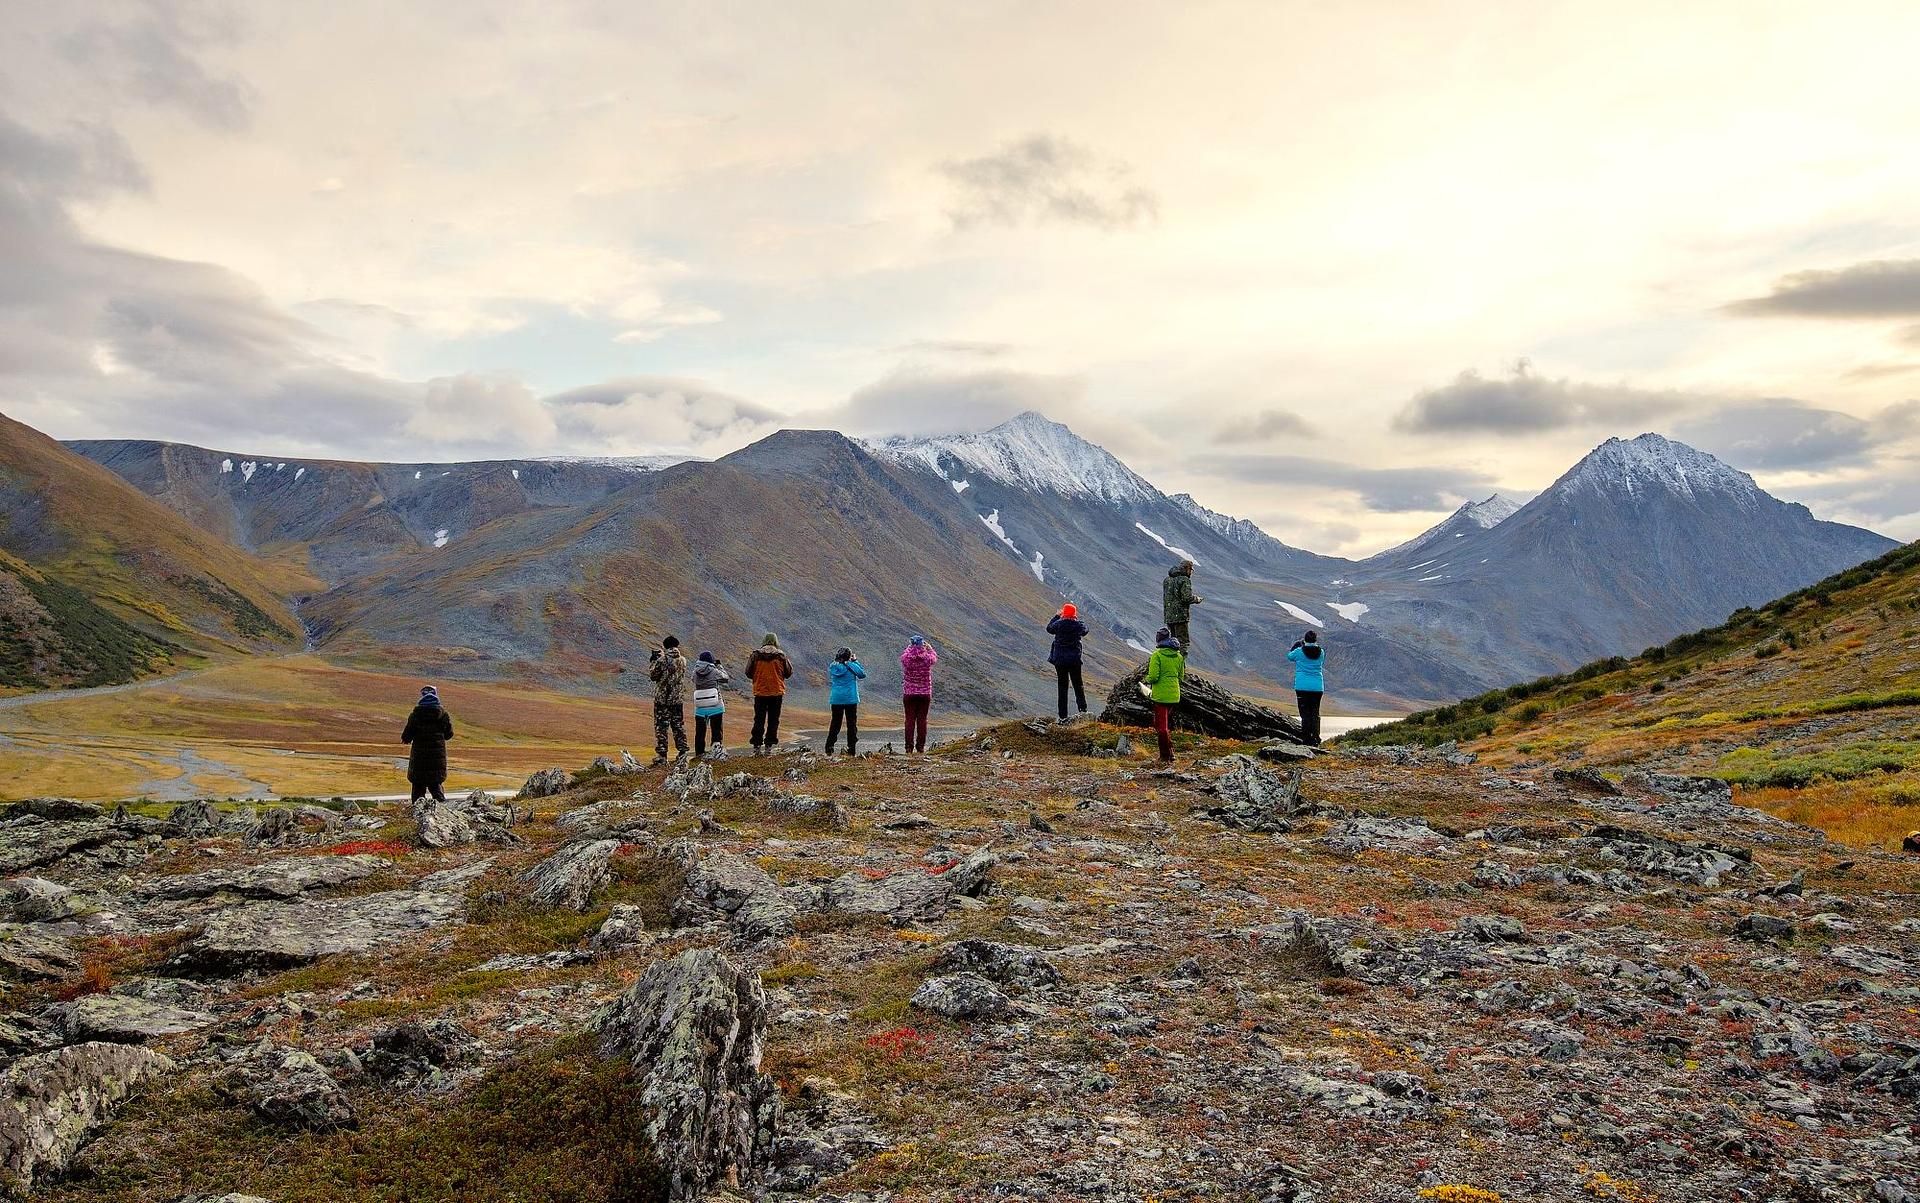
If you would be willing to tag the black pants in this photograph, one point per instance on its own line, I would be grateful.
(1070, 672)
(848, 712)
(1309, 713)
(766, 721)
(421, 788)
(701, 725)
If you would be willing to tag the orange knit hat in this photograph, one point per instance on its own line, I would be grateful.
(1068, 611)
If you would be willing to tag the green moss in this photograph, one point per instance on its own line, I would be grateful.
(1760, 768)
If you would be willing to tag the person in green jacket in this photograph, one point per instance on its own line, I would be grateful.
(1177, 601)
(1165, 668)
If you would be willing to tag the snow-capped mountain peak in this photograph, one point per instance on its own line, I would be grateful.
(1489, 513)
(1470, 518)
(1032, 452)
(1654, 464)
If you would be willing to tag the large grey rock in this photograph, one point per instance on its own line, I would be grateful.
(414, 1050)
(1253, 797)
(962, 996)
(441, 826)
(195, 820)
(31, 953)
(695, 1026)
(1699, 863)
(624, 928)
(1007, 964)
(288, 1088)
(285, 877)
(569, 878)
(59, 810)
(37, 900)
(267, 935)
(32, 842)
(51, 1102)
(914, 894)
(720, 885)
(123, 1019)
(545, 784)
(1204, 708)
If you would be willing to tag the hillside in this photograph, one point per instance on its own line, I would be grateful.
(117, 581)
(1810, 704)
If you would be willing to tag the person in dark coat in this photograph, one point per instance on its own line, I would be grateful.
(1067, 631)
(427, 732)
(1177, 600)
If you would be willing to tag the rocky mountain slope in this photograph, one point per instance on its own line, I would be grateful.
(1642, 540)
(1808, 703)
(1028, 966)
(100, 583)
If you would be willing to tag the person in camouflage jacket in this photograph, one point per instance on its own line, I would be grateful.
(669, 674)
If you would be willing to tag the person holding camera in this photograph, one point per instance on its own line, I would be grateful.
(1177, 602)
(1309, 683)
(769, 670)
(843, 678)
(709, 707)
(668, 670)
(1067, 631)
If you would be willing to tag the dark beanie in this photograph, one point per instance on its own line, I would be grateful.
(671, 641)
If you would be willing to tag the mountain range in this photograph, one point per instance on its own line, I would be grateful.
(567, 570)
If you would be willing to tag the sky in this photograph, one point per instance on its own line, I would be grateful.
(1334, 268)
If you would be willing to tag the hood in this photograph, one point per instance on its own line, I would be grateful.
(770, 641)
(1177, 570)
(1312, 650)
(1169, 644)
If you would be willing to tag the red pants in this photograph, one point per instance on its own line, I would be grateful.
(916, 708)
(1163, 728)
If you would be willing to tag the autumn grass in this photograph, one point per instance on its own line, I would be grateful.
(1864, 814)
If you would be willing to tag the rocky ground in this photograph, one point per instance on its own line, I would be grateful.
(1025, 967)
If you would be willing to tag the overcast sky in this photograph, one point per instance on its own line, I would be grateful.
(1330, 267)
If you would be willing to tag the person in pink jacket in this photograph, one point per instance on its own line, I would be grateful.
(916, 689)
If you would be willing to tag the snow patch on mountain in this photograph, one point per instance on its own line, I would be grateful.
(960, 486)
(298, 473)
(1300, 614)
(1351, 611)
(1182, 552)
(1000, 532)
(626, 463)
(1039, 566)
(1031, 452)
(440, 538)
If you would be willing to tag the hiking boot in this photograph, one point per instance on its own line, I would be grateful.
(657, 761)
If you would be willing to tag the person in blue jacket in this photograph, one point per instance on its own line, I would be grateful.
(843, 678)
(1309, 682)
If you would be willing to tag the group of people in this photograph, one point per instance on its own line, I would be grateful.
(768, 669)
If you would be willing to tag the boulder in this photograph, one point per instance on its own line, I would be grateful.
(58, 810)
(123, 1019)
(481, 805)
(1764, 927)
(545, 784)
(27, 952)
(285, 877)
(33, 842)
(624, 928)
(914, 894)
(1699, 863)
(195, 820)
(1204, 708)
(1006, 964)
(441, 826)
(272, 935)
(37, 900)
(1588, 781)
(288, 1088)
(720, 885)
(695, 1027)
(569, 878)
(275, 827)
(414, 1050)
(1254, 798)
(962, 996)
(51, 1102)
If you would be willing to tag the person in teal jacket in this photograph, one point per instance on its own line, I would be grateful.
(1309, 683)
(1165, 668)
(843, 679)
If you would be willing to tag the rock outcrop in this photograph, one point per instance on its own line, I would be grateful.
(51, 1102)
(569, 878)
(1204, 708)
(914, 894)
(695, 1027)
(289, 1088)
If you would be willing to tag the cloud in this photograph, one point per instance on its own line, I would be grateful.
(1043, 179)
(1524, 403)
(921, 401)
(152, 58)
(1898, 420)
(1779, 434)
(1389, 490)
(638, 414)
(957, 348)
(1878, 289)
(1268, 424)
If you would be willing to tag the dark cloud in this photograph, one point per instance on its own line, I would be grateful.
(152, 57)
(1893, 492)
(1268, 424)
(1882, 288)
(1898, 420)
(1043, 179)
(1388, 490)
(1779, 434)
(919, 401)
(1524, 403)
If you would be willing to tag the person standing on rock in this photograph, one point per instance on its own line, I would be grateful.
(1309, 683)
(1067, 631)
(669, 673)
(427, 732)
(1177, 601)
(708, 706)
(769, 670)
(916, 689)
(1165, 668)
(843, 679)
